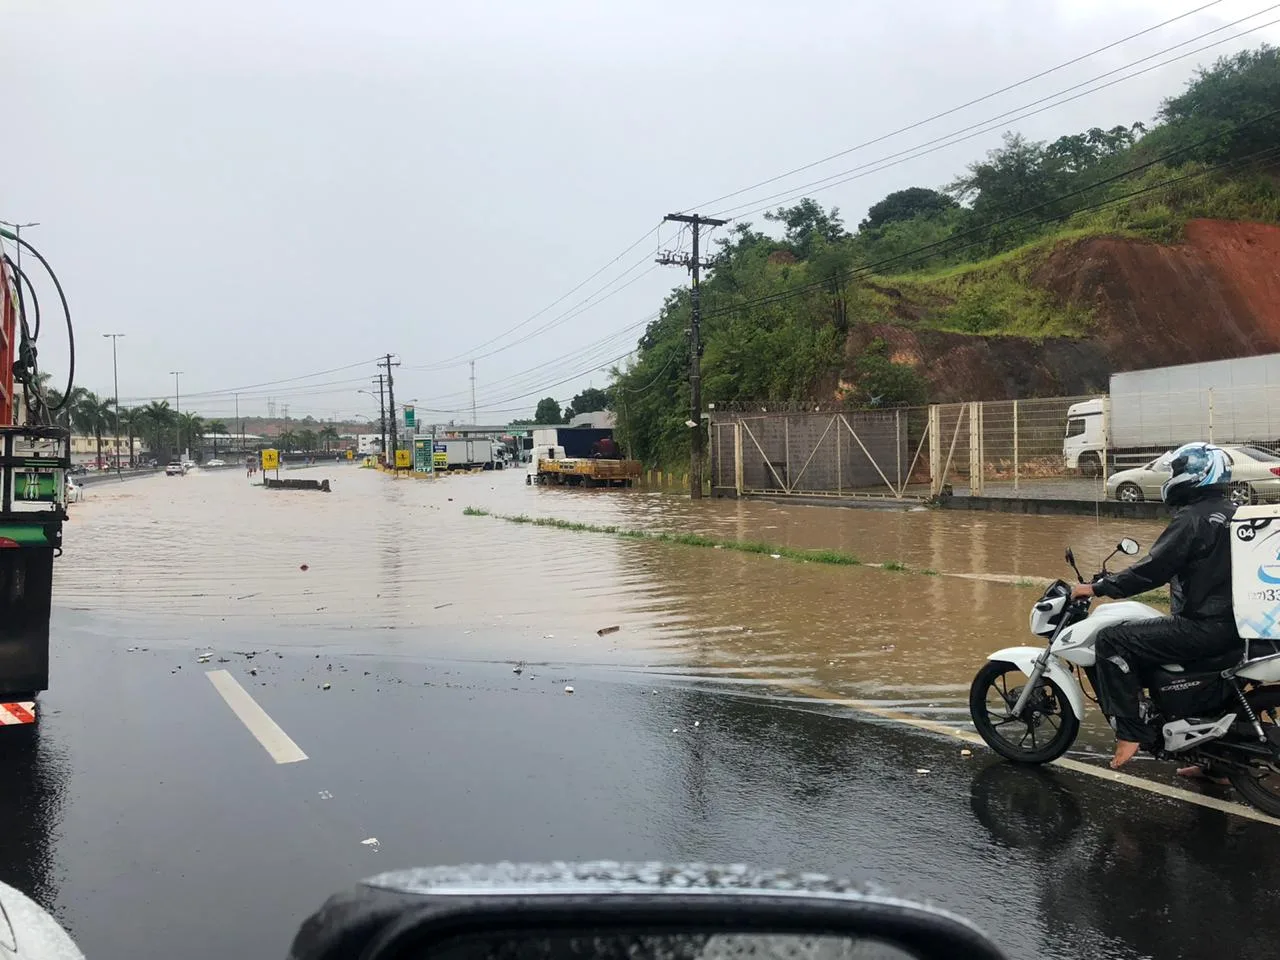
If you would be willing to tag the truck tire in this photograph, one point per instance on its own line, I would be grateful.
(1089, 465)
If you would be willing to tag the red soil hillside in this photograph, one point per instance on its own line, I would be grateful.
(1214, 296)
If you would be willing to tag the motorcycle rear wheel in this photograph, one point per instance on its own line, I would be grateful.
(1044, 730)
(1260, 786)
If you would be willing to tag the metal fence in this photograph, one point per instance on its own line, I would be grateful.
(1068, 448)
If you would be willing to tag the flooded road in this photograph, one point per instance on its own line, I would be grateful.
(417, 664)
(400, 556)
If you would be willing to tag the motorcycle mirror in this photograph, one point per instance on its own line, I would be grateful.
(1128, 546)
(629, 912)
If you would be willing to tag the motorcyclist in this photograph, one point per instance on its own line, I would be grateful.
(1193, 556)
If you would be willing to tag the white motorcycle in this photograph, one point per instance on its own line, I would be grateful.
(1222, 713)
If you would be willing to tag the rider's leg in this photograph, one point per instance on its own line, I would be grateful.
(1124, 649)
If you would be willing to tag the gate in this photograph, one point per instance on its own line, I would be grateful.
(840, 453)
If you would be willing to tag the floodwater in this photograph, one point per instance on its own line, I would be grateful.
(400, 555)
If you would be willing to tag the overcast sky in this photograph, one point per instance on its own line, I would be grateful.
(257, 190)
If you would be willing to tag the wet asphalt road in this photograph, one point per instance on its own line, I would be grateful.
(146, 816)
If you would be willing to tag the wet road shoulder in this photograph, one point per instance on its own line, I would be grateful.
(147, 817)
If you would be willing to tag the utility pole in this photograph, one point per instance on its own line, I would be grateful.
(115, 375)
(693, 262)
(382, 412)
(473, 393)
(241, 423)
(177, 411)
(391, 405)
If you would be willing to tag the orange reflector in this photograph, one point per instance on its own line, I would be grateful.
(12, 714)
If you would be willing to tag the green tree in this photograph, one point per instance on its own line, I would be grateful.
(907, 205)
(1221, 105)
(548, 411)
(588, 401)
(307, 440)
(158, 418)
(328, 435)
(131, 421)
(190, 430)
(287, 440)
(216, 427)
(806, 222)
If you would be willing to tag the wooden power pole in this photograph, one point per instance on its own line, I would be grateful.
(694, 264)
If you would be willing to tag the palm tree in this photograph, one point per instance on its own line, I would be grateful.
(159, 418)
(288, 440)
(131, 421)
(307, 440)
(328, 435)
(215, 427)
(190, 429)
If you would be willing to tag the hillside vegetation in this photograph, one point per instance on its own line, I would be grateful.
(789, 317)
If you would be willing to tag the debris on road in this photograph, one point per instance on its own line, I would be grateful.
(371, 842)
(326, 795)
(921, 770)
(568, 689)
(441, 606)
(253, 671)
(776, 556)
(519, 667)
(697, 723)
(204, 658)
(304, 568)
(966, 753)
(325, 686)
(604, 631)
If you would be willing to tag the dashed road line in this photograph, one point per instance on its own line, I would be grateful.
(266, 731)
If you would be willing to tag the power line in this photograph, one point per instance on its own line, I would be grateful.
(945, 113)
(1004, 119)
(867, 269)
(466, 355)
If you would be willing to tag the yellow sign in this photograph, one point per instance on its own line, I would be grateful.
(440, 461)
(270, 459)
(404, 458)
(351, 454)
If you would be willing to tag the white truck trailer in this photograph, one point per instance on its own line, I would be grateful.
(1150, 411)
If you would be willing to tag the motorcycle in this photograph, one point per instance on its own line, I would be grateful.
(1221, 713)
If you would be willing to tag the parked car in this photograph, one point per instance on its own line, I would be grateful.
(175, 468)
(1255, 476)
(215, 463)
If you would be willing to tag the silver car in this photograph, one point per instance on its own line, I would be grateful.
(1255, 477)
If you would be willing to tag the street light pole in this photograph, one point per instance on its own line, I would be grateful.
(115, 375)
(177, 412)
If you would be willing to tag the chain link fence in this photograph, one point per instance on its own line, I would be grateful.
(1081, 448)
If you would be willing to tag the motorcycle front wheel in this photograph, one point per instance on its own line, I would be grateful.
(1043, 731)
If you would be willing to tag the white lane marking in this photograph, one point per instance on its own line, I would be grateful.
(265, 730)
(1075, 766)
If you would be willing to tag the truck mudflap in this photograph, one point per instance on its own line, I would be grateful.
(26, 590)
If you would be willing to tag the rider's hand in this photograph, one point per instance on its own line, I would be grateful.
(1082, 591)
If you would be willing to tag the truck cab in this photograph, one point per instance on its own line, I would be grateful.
(1082, 448)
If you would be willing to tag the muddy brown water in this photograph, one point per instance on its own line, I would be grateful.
(396, 560)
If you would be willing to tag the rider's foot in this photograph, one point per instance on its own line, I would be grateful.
(1126, 750)
(1198, 773)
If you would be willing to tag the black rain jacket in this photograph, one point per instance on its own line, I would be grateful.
(1192, 555)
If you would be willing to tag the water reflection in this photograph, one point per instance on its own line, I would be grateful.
(1155, 878)
(400, 554)
(31, 809)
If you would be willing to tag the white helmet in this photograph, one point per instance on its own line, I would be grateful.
(1195, 466)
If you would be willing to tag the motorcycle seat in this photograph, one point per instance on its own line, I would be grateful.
(1215, 664)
